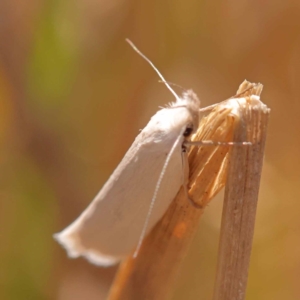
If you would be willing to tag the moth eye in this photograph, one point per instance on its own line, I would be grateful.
(188, 131)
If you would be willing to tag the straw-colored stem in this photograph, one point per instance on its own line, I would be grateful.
(239, 210)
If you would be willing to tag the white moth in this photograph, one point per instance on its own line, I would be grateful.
(141, 188)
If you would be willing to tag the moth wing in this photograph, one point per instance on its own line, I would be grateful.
(110, 227)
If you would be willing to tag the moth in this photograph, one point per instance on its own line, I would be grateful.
(140, 189)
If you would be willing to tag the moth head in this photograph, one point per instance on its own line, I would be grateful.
(191, 101)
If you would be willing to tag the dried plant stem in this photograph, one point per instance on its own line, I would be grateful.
(239, 210)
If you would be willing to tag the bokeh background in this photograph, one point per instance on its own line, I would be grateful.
(73, 95)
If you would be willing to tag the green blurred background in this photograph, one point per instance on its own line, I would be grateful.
(73, 95)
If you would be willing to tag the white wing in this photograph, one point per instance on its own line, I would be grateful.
(110, 228)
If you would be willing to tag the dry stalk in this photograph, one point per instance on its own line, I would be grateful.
(152, 274)
(241, 195)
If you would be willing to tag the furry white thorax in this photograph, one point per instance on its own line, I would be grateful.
(191, 102)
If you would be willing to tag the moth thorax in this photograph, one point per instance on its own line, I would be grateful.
(193, 105)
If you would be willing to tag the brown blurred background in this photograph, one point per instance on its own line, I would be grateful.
(73, 95)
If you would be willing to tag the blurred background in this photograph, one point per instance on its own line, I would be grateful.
(73, 96)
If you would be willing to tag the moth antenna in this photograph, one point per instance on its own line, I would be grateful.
(153, 66)
(174, 84)
(161, 176)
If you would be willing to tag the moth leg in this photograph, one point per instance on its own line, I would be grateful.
(185, 166)
(213, 143)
